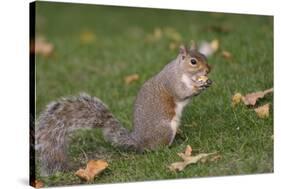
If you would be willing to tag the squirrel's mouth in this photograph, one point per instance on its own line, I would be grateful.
(203, 81)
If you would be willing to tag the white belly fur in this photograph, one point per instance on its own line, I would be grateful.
(179, 107)
(176, 119)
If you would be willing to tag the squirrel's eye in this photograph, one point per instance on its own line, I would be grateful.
(193, 61)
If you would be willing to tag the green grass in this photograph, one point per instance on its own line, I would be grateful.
(120, 49)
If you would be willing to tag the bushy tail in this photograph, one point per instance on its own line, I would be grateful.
(62, 117)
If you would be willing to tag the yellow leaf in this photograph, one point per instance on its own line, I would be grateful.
(215, 45)
(87, 37)
(236, 99)
(173, 46)
(93, 168)
(131, 78)
(226, 54)
(155, 36)
(172, 34)
(263, 111)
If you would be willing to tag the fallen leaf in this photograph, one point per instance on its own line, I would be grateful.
(215, 45)
(251, 99)
(236, 99)
(131, 78)
(155, 36)
(173, 46)
(179, 166)
(93, 168)
(172, 34)
(87, 37)
(209, 48)
(262, 111)
(215, 158)
(167, 32)
(225, 54)
(37, 184)
(188, 159)
(43, 47)
(188, 151)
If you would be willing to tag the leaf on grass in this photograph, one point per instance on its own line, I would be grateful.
(155, 36)
(87, 37)
(37, 184)
(173, 46)
(93, 168)
(215, 158)
(188, 151)
(209, 48)
(167, 32)
(172, 34)
(43, 47)
(131, 78)
(188, 159)
(262, 111)
(225, 54)
(251, 98)
(236, 99)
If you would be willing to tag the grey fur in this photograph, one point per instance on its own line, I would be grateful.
(153, 111)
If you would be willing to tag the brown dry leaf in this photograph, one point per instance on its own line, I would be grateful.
(188, 151)
(179, 166)
(209, 48)
(94, 167)
(37, 184)
(215, 158)
(226, 54)
(87, 37)
(43, 47)
(263, 111)
(131, 78)
(188, 159)
(251, 99)
(236, 99)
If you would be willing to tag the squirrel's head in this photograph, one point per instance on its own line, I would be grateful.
(194, 64)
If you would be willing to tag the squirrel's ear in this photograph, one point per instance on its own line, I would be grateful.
(193, 45)
(183, 51)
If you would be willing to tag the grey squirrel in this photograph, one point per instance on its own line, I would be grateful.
(157, 113)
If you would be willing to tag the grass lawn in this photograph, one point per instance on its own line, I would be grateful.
(117, 44)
